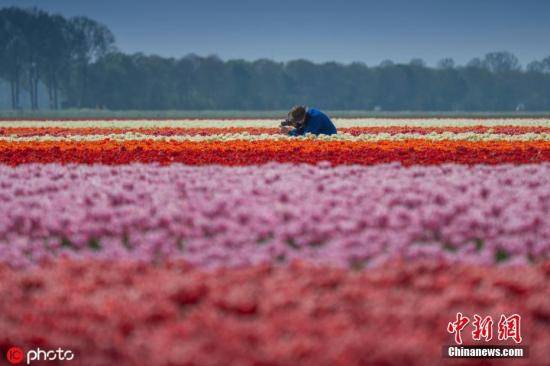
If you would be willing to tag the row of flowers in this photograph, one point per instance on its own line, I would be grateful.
(350, 216)
(340, 122)
(238, 152)
(193, 131)
(130, 136)
(131, 314)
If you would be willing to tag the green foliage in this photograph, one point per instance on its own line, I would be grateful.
(501, 255)
(39, 48)
(139, 82)
(75, 59)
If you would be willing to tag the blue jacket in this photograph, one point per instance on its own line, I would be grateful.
(316, 122)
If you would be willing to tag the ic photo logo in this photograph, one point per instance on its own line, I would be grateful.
(16, 355)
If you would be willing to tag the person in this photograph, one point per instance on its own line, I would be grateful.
(302, 120)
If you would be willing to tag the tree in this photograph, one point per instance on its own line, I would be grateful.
(302, 82)
(446, 63)
(239, 92)
(418, 62)
(501, 62)
(88, 42)
(268, 84)
(546, 65)
(475, 63)
(75, 59)
(542, 66)
(535, 66)
(36, 26)
(14, 49)
(56, 55)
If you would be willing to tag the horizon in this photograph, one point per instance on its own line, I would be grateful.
(430, 30)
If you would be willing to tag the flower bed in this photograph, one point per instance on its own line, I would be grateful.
(256, 122)
(226, 137)
(128, 314)
(347, 216)
(205, 131)
(224, 242)
(408, 152)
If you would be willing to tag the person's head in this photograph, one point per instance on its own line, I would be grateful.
(297, 114)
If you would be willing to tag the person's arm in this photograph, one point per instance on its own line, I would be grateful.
(293, 132)
(285, 130)
(297, 132)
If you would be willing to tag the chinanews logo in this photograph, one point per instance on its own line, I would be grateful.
(16, 355)
(508, 329)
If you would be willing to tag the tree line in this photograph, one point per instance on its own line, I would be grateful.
(37, 47)
(77, 61)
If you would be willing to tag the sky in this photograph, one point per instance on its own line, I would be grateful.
(320, 30)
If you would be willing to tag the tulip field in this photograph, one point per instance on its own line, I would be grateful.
(223, 242)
